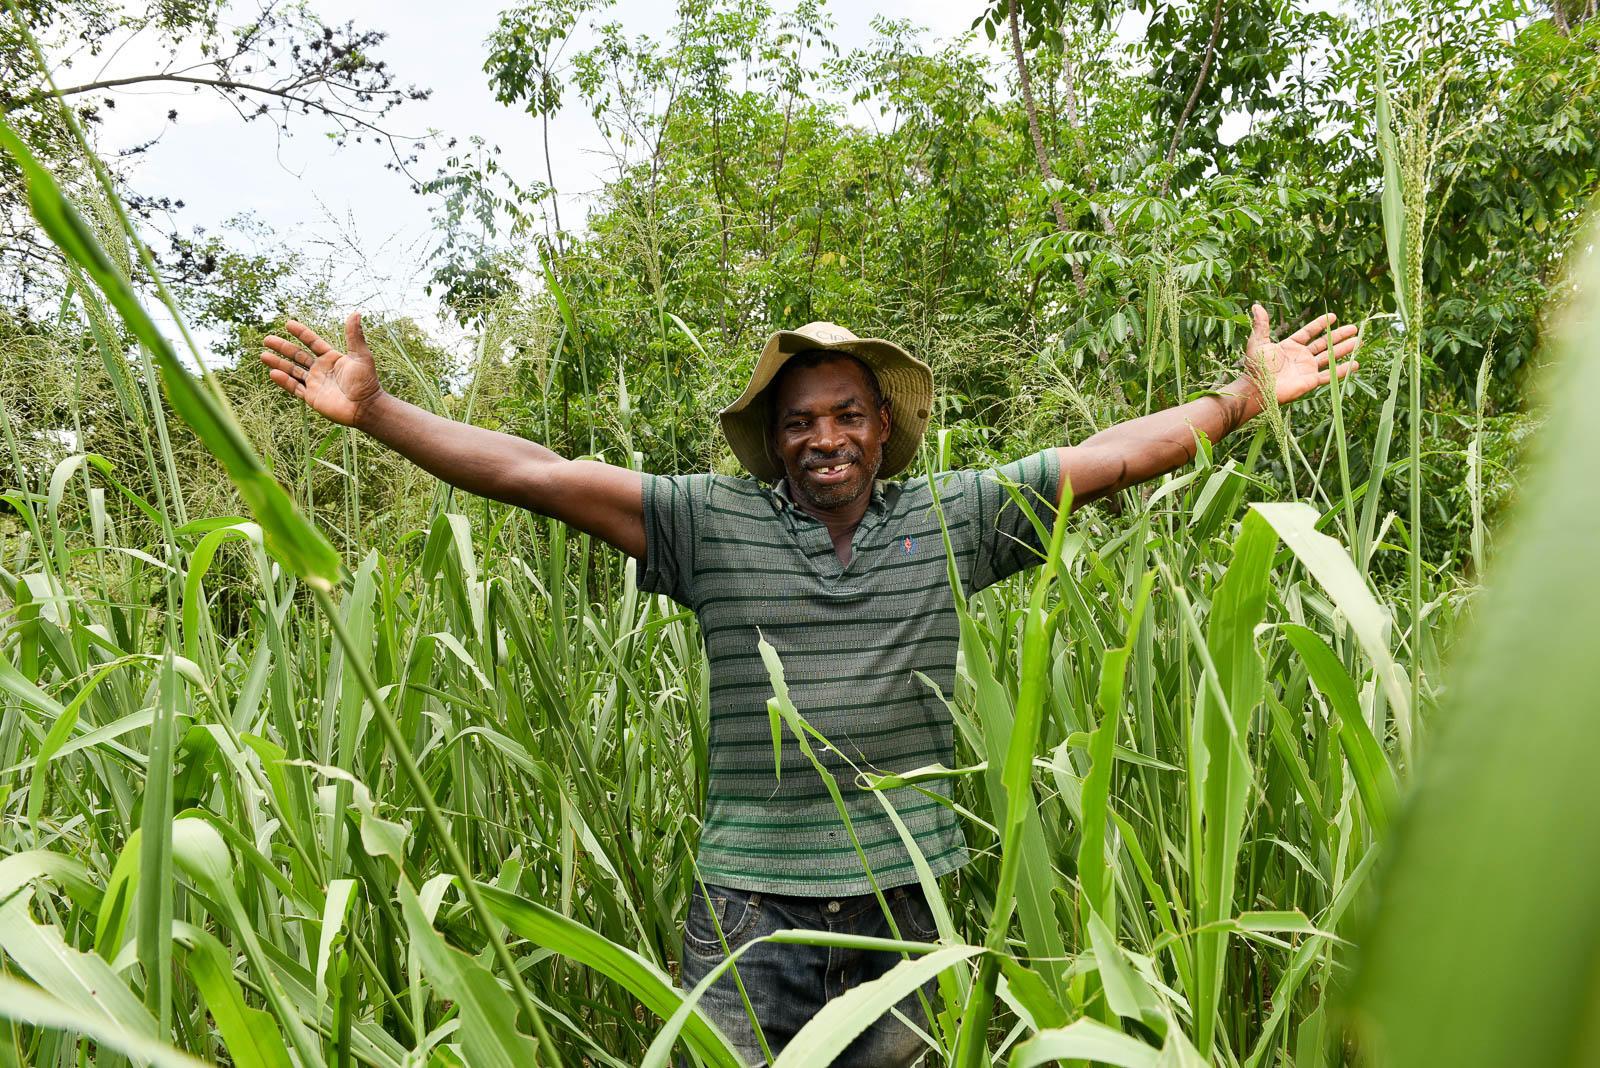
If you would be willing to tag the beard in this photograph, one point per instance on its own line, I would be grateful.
(863, 470)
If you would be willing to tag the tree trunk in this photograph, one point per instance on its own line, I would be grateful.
(1038, 140)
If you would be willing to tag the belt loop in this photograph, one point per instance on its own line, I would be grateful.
(755, 901)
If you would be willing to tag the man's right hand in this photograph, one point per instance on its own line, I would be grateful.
(602, 500)
(340, 385)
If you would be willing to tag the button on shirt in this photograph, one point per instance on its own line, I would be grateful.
(853, 639)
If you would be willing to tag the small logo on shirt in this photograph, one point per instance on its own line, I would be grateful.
(908, 546)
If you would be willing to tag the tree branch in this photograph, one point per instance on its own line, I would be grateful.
(1194, 94)
(220, 84)
(224, 86)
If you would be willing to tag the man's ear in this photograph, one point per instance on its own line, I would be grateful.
(769, 439)
(887, 414)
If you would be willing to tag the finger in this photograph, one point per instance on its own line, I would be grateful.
(284, 347)
(287, 384)
(355, 340)
(1344, 333)
(1345, 348)
(308, 337)
(1313, 328)
(1345, 371)
(288, 367)
(1260, 326)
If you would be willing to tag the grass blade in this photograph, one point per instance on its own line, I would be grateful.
(153, 924)
(290, 536)
(1331, 565)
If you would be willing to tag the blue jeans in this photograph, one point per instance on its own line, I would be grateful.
(787, 984)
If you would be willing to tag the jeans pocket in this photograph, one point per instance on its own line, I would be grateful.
(732, 912)
(915, 917)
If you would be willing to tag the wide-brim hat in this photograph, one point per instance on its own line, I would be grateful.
(906, 382)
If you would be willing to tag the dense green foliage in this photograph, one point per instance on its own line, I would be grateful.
(444, 812)
(895, 189)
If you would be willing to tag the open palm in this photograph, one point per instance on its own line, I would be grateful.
(339, 385)
(1300, 362)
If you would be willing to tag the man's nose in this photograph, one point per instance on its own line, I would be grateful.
(827, 437)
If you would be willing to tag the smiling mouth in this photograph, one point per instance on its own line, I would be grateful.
(831, 472)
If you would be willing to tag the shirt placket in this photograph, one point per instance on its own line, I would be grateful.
(870, 524)
(813, 537)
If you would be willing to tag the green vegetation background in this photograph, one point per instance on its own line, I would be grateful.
(1062, 233)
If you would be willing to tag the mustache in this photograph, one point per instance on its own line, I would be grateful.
(811, 463)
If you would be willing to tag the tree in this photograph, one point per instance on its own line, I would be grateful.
(283, 66)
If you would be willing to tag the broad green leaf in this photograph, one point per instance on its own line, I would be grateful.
(1330, 564)
(489, 1036)
(194, 602)
(1484, 951)
(1223, 773)
(153, 920)
(379, 837)
(1374, 777)
(927, 773)
(81, 981)
(39, 781)
(653, 987)
(201, 853)
(1127, 994)
(839, 1021)
(1086, 1040)
(30, 1005)
(1095, 866)
(1179, 1052)
(1280, 921)
(250, 1035)
(106, 736)
(335, 913)
(111, 921)
(20, 869)
(13, 682)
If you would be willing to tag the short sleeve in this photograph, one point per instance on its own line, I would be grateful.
(673, 506)
(1006, 538)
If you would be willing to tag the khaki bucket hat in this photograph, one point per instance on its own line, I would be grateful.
(906, 381)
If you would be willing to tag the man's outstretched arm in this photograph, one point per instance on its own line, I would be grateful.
(1148, 447)
(605, 501)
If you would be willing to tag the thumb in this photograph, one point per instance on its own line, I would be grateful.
(1260, 326)
(355, 341)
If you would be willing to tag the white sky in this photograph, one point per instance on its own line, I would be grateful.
(221, 167)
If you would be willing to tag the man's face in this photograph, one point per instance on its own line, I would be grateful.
(828, 434)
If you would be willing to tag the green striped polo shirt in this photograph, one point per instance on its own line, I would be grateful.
(853, 639)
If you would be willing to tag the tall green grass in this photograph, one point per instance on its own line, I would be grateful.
(434, 800)
(1497, 863)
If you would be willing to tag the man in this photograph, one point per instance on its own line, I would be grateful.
(844, 574)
